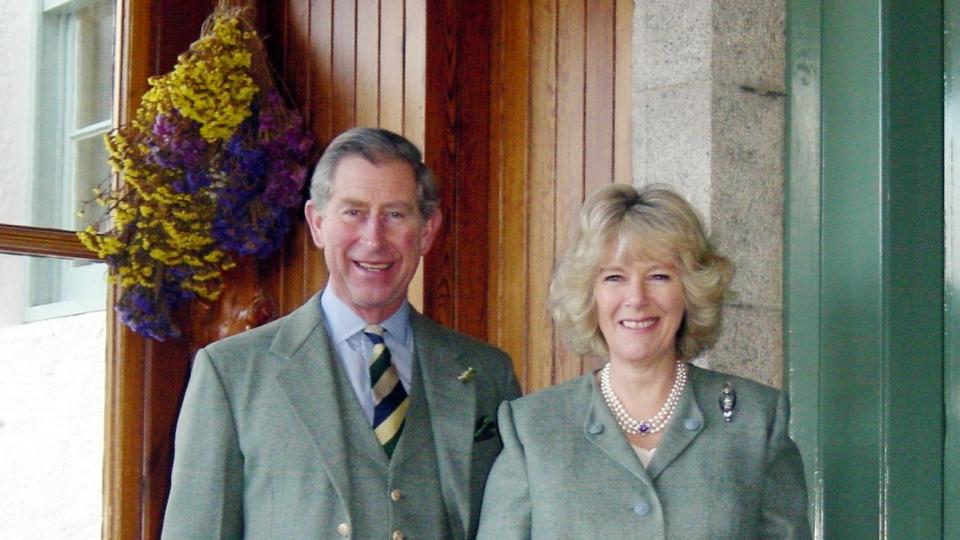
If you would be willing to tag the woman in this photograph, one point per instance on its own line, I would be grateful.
(649, 446)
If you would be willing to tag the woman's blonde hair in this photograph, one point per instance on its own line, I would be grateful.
(652, 223)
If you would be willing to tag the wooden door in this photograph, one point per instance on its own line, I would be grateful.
(560, 127)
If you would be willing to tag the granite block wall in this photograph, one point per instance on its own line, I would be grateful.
(709, 121)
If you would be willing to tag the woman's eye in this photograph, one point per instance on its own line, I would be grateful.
(613, 277)
(661, 277)
(396, 215)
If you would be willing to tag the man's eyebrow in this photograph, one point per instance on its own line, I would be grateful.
(403, 205)
(350, 202)
(393, 205)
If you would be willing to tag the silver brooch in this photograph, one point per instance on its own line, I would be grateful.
(728, 401)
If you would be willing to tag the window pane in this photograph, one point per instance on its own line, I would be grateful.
(61, 287)
(93, 171)
(94, 53)
(52, 396)
(58, 98)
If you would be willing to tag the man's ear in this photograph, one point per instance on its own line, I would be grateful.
(430, 230)
(314, 217)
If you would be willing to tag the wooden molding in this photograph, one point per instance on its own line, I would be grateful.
(21, 240)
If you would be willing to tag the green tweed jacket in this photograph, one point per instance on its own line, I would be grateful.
(271, 442)
(567, 471)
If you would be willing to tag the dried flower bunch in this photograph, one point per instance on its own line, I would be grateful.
(212, 162)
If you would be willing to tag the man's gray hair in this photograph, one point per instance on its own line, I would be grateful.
(377, 146)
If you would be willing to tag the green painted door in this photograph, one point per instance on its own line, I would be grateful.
(864, 283)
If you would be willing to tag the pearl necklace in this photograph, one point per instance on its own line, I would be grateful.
(653, 424)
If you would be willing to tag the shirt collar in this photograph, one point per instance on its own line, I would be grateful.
(342, 322)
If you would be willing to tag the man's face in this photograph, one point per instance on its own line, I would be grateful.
(372, 235)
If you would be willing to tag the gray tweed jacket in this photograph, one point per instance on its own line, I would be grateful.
(271, 442)
(567, 471)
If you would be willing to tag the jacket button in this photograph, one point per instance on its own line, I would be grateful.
(641, 509)
(396, 495)
(691, 424)
(343, 530)
(595, 428)
(397, 535)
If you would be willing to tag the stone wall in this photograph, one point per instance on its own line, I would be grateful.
(708, 121)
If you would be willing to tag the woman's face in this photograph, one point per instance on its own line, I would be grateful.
(639, 308)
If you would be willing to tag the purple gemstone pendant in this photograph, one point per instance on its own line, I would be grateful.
(644, 427)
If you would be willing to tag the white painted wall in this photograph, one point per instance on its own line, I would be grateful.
(17, 85)
(52, 392)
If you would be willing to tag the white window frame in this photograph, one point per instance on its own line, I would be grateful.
(63, 287)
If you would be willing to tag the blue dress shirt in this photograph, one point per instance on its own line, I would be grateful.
(353, 349)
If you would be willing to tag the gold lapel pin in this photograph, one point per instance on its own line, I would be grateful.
(467, 375)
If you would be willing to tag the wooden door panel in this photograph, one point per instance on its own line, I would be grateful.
(561, 109)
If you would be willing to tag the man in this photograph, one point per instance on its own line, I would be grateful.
(353, 416)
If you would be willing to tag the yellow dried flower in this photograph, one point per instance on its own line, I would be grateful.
(173, 157)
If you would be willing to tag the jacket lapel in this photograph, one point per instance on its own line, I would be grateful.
(686, 425)
(320, 394)
(452, 405)
(600, 427)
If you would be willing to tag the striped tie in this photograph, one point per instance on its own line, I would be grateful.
(389, 398)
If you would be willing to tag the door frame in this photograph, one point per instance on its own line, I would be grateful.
(864, 263)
